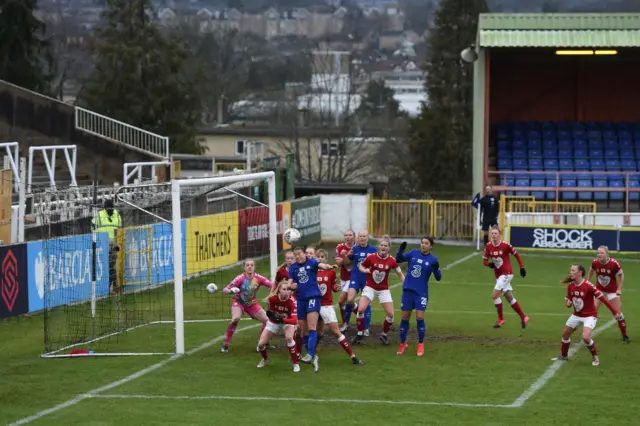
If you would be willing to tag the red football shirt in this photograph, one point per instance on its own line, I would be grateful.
(284, 309)
(282, 274)
(380, 268)
(345, 270)
(326, 282)
(607, 274)
(583, 298)
(499, 255)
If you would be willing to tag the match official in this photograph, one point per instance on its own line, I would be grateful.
(108, 220)
(489, 210)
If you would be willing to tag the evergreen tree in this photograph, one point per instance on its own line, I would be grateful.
(441, 136)
(378, 102)
(143, 76)
(25, 54)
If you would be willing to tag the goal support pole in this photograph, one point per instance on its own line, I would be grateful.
(176, 222)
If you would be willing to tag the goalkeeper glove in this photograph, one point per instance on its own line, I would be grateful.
(403, 246)
(523, 272)
(235, 290)
(492, 266)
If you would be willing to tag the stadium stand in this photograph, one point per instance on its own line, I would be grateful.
(585, 155)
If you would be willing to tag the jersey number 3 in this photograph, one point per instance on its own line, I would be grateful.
(416, 271)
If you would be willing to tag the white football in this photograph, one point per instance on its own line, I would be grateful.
(291, 235)
(212, 288)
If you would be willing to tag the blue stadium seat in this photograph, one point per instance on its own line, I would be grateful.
(551, 195)
(519, 153)
(634, 182)
(503, 153)
(509, 181)
(609, 134)
(628, 165)
(534, 144)
(564, 135)
(534, 135)
(612, 165)
(522, 183)
(596, 153)
(594, 134)
(622, 126)
(566, 165)
(600, 183)
(535, 164)
(579, 144)
(538, 195)
(518, 144)
(504, 164)
(504, 144)
(548, 134)
(611, 153)
(563, 125)
(550, 143)
(568, 196)
(581, 164)
(550, 153)
(517, 133)
(617, 196)
(607, 125)
(565, 144)
(565, 154)
(625, 143)
(636, 135)
(550, 164)
(596, 144)
(580, 153)
(638, 168)
(597, 165)
(610, 144)
(535, 153)
(503, 133)
(585, 196)
(519, 164)
(578, 134)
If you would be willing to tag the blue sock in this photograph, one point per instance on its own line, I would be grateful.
(312, 341)
(367, 317)
(404, 330)
(305, 341)
(347, 312)
(422, 330)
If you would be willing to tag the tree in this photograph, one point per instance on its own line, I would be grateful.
(144, 77)
(25, 54)
(379, 105)
(441, 136)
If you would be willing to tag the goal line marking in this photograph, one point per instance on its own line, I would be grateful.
(83, 396)
(305, 400)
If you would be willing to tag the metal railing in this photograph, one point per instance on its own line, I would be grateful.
(121, 133)
(558, 176)
(415, 218)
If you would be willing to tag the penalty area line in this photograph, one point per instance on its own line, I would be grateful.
(84, 396)
(553, 369)
(305, 400)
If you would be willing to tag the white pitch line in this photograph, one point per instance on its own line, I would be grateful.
(306, 400)
(553, 369)
(517, 285)
(564, 256)
(81, 397)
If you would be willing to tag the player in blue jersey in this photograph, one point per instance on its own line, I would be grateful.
(356, 256)
(303, 277)
(415, 290)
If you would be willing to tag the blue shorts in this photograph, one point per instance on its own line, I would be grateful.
(357, 285)
(412, 300)
(306, 306)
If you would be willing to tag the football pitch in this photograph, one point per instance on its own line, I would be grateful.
(471, 373)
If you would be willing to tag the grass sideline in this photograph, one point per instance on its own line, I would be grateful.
(470, 374)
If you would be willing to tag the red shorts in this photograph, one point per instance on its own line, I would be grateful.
(251, 310)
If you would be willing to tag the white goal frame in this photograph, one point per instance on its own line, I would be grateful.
(176, 219)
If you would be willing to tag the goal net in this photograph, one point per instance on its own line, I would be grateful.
(142, 289)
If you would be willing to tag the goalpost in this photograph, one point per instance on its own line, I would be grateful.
(133, 295)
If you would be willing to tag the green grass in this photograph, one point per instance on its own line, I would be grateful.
(466, 362)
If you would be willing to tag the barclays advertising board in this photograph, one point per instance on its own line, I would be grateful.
(64, 265)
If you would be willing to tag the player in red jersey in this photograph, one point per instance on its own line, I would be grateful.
(582, 295)
(610, 279)
(496, 256)
(377, 267)
(283, 318)
(327, 281)
(345, 269)
(283, 270)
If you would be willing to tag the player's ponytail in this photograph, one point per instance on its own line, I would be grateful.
(566, 280)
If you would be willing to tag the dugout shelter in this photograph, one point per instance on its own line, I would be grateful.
(556, 111)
